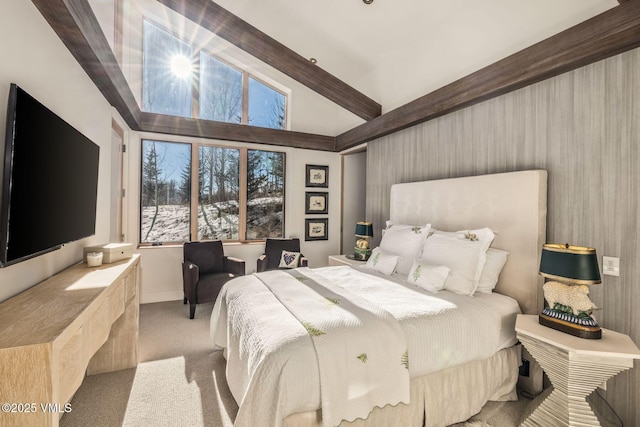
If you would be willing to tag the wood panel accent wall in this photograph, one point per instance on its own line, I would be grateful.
(583, 127)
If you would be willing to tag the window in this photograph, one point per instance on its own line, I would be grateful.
(267, 106)
(166, 73)
(220, 91)
(265, 194)
(165, 192)
(218, 193)
(230, 205)
(224, 92)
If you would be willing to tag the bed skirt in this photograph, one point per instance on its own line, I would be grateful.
(442, 398)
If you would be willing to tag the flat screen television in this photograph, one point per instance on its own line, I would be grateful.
(49, 181)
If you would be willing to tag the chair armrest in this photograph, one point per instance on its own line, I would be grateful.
(234, 265)
(261, 264)
(303, 262)
(190, 275)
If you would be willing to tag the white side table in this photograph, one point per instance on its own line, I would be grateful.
(343, 260)
(575, 366)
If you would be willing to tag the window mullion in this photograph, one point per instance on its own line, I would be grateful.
(193, 212)
(242, 212)
(245, 97)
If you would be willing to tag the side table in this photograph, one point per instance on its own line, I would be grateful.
(575, 366)
(343, 260)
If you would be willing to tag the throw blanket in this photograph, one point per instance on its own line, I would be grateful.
(361, 349)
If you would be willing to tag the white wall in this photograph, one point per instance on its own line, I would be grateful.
(161, 266)
(34, 57)
(354, 170)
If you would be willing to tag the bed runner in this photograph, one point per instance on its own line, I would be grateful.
(360, 348)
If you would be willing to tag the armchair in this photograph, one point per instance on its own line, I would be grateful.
(273, 248)
(204, 270)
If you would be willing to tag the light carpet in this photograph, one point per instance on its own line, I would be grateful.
(180, 381)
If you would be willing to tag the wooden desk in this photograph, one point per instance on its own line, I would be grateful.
(83, 319)
(575, 366)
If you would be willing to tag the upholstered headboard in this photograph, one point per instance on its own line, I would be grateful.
(513, 205)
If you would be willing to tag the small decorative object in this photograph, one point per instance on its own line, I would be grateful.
(316, 229)
(364, 231)
(317, 176)
(94, 259)
(316, 203)
(569, 307)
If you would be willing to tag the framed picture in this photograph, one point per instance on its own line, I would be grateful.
(316, 203)
(316, 229)
(317, 176)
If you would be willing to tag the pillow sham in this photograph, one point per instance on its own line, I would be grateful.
(464, 252)
(427, 276)
(405, 241)
(493, 265)
(381, 261)
(289, 259)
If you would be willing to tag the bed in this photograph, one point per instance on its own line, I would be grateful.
(278, 365)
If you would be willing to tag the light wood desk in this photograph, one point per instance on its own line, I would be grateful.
(81, 320)
(575, 366)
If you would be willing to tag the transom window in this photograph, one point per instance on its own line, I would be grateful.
(219, 201)
(182, 81)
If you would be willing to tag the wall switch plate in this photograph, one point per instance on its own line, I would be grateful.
(610, 266)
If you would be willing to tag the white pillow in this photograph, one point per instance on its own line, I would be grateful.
(496, 259)
(383, 262)
(464, 252)
(406, 241)
(427, 276)
(289, 259)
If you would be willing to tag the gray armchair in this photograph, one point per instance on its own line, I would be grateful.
(273, 248)
(204, 270)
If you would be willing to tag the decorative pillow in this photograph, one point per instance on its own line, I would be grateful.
(405, 241)
(289, 259)
(496, 259)
(464, 252)
(426, 276)
(381, 261)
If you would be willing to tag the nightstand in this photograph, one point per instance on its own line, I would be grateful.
(575, 366)
(343, 260)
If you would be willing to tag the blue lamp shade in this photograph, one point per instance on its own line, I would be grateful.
(575, 265)
(364, 229)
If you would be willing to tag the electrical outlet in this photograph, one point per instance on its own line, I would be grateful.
(610, 266)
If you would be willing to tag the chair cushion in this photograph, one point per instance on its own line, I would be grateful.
(209, 286)
(208, 256)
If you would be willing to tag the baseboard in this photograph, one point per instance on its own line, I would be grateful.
(161, 296)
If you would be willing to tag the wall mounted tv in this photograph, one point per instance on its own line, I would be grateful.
(49, 181)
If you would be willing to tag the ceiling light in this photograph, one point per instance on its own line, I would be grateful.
(181, 66)
(367, 1)
(313, 60)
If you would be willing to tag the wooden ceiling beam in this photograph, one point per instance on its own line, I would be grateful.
(78, 28)
(184, 126)
(223, 23)
(600, 37)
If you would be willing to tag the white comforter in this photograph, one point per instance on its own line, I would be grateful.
(272, 369)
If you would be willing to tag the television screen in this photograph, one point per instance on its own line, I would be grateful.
(50, 181)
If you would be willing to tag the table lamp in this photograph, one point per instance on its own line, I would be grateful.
(571, 269)
(364, 231)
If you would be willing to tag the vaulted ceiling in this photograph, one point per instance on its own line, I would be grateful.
(392, 64)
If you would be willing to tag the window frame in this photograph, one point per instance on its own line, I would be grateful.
(242, 191)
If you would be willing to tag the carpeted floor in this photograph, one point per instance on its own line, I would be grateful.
(180, 381)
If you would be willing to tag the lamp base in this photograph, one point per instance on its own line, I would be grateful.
(361, 254)
(570, 324)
